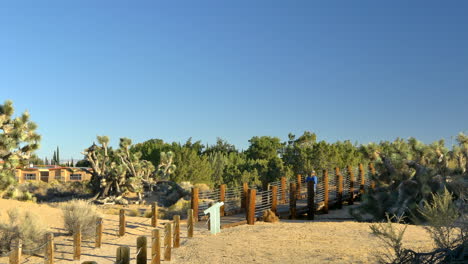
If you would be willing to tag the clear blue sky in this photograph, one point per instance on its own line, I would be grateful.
(359, 70)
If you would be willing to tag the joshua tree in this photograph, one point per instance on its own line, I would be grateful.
(166, 166)
(18, 140)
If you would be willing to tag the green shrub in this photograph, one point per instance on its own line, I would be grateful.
(80, 213)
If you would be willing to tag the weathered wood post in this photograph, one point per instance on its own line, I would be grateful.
(310, 200)
(373, 174)
(362, 179)
(251, 206)
(351, 185)
(339, 187)
(154, 214)
(274, 199)
(77, 243)
(176, 231)
(49, 250)
(283, 190)
(123, 255)
(195, 203)
(245, 189)
(122, 223)
(167, 241)
(292, 200)
(222, 197)
(142, 254)
(190, 223)
(299, 183)
(156, 246)
(15, 255)
(99, 229)
(325, 191)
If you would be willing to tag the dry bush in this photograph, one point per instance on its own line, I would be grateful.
(148, 214)
(391, 234)
(25, 226)
(269, 216)
(179, 208)
(80, 213)
(133, 212)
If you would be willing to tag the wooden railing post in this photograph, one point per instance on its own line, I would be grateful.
(99, 229)
(176, 231)
(245, 189)
(251, 206)
(77, 243)
(325, 191)
(122, 223)
(123, 255)
(222, 197)
(351, 185)
(362, 179)
(274, 199)
(373, 174)
(15, 255)
(299, 183)
(283, 190)
(167, 242)
(49, 250)
(195, 203)
(156, 246)
(310, 200)
(142, 255)
(154, 214)
(292, 200)
(339, 188)
(190, 223)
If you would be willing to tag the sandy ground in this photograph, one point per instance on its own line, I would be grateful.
(326, 240)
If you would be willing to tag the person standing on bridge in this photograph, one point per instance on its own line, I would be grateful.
(313, 178)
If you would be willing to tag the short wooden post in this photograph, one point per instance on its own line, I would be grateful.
(299, 183)
(77, 244)
(283, 190)
(195, 203)
(245, 189)
(190, 223)
(156, 246)
(49, 250)
(274, 199)
(142, 254)
(167, 241)
(176, 231)
(310, 200)
(325, 191)
(339, 188)
(251, 206)
(122, 223)
(292, 200)
(222, 197)
(99, 228)
(15, 255)
(362, 179)
(123, 255)
(373, 175)
(351, 185)
(154, 214)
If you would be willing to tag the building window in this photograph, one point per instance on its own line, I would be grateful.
(30, 176)
(57, 175)
(75, 177)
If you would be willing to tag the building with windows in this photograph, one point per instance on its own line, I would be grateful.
(48, 173)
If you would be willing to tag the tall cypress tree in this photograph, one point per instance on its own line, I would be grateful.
(58, 156)
(54, 158)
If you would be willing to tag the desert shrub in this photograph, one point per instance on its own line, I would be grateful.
(133, 212)
(148, 214)
(179, 208)
(25, 226)
(391, 235)
(80, 213)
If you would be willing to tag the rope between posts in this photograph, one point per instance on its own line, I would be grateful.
(36, 249)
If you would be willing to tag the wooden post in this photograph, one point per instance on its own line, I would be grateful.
(195, 203)
(99, 229)
(49, 250)
(373, 174)
(15, 255)
(142, 255)
(77, 244)
(122, 223)
(283, 190)
(351, 185)
(325, 191)
(123, 255)
(339, 188)
(167, 241)
(251, 207)
(362, 179)
(190, 223)
(292, 200)
(156, 246)
(310, 200)
(245, 189)
(274, 199)
(299, 183)
(222, 197)
(154, 214)
(176, 231)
